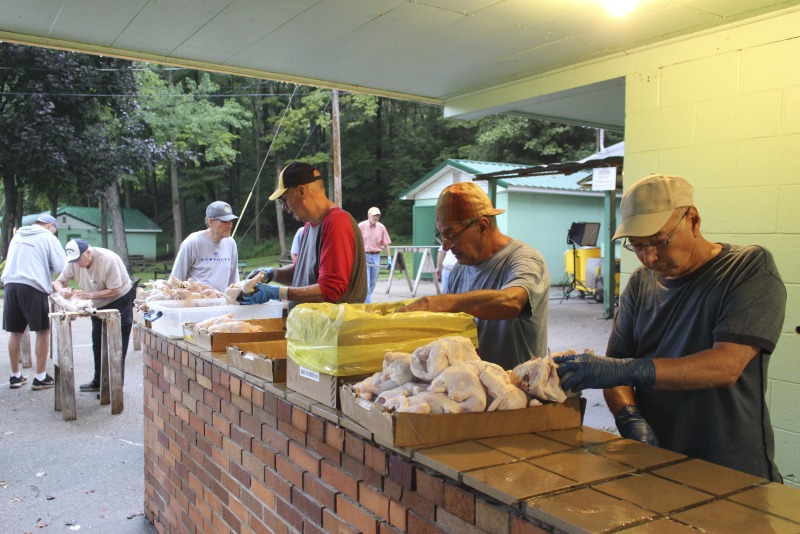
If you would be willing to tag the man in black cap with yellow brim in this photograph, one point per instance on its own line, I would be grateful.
(331, 266)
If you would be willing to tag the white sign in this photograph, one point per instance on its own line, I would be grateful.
(604, 179)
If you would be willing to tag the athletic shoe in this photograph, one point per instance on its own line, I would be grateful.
(90, 386)
(15, 382)
(47, 383)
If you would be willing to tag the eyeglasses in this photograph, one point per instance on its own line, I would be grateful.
(450, 241)
(282, 199)
(638, 247)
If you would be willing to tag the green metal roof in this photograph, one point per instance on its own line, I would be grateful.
(465, 165)
(551, 181)
(133, 219)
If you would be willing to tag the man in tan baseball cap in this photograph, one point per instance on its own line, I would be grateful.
(689, 352)
(503, 282)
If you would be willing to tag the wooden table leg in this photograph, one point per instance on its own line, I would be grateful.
(114, 358)
(25, 349)
(66, 371)
(137, 337)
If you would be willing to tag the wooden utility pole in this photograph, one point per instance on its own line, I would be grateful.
(337, 156)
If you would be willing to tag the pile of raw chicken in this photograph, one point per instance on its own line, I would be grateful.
(224, 323)
(448, 376)
(173, 289)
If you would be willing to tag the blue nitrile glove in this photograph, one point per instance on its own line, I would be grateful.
(262, 294)
(586, 371)
(389, 261)
(632, 425)
(267, 274)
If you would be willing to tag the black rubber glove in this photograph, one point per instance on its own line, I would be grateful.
(587, 371)
(267, 274)
(632, 425)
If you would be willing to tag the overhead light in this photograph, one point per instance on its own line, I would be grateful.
(619, 8)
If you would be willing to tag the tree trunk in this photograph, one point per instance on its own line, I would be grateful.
(10, 210)
(117, 222)
(285, 255)
(103, 221)
(176, 204)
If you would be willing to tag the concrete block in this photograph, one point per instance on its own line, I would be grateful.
(768, 66)
(705, 166)
(767, 161)
(675, 127)
(641, 92)
(751, 210)
(787, 455)
(722, 73)
(783, 362)
(785, 406)
(746, 116)
(791, 110)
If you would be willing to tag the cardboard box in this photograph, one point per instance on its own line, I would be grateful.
(274, 329)
(410, 429)
(321, 387)
(265, 359)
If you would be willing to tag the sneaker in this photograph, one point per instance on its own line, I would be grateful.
(90, 386)
(47, 383)
(15, 382)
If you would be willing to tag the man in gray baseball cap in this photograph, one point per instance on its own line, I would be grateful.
(210, 256)
(34, 256)
(696, 325)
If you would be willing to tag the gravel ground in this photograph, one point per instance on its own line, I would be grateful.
(87, 475)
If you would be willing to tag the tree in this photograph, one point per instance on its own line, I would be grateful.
(196, 133)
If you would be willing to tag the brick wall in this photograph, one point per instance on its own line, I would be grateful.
(224, 455)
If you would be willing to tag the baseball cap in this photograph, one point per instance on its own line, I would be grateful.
(373, 211)
(463, 201)
(47, 219)
(76, 247)
(649, 202)
(295, 174)
(220, 210)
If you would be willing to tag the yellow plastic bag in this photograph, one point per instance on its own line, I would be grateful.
(351, 339)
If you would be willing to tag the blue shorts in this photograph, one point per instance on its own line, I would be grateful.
(25, 306)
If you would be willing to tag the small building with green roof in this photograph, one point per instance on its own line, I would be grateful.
(539, 209)
(85, 223)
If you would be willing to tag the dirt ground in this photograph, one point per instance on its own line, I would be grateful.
(87, 475)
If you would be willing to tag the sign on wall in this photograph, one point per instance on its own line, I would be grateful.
(604, 179)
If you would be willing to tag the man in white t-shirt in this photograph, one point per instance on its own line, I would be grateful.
(210, 256)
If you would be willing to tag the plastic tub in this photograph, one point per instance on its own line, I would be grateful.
(168, 317)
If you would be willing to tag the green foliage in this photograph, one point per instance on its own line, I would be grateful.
(91, 119)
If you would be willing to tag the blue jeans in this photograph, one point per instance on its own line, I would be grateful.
(373, 268)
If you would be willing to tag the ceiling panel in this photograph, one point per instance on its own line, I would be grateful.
(429, 50)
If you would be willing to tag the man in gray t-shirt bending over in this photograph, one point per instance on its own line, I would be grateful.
(503, 282)
(690, 348)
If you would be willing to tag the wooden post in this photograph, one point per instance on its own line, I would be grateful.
(25, 349)
(66, 372)
(137, 336)
(113, 349)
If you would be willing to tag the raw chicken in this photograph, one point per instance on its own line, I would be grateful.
(502, 394)
(430, 402)
(173, 289)
(538, 377)
(461, 383)
(431, 359)
(73, 304)
(397, 367)
(396, 398)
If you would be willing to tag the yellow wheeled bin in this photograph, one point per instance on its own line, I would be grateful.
(575, 262)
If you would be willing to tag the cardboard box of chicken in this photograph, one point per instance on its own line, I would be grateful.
(443, 392)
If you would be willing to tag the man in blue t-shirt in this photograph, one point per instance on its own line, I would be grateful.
(697, 322)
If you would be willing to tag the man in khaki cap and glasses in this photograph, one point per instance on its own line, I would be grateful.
(503, 282)
(689, 352)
